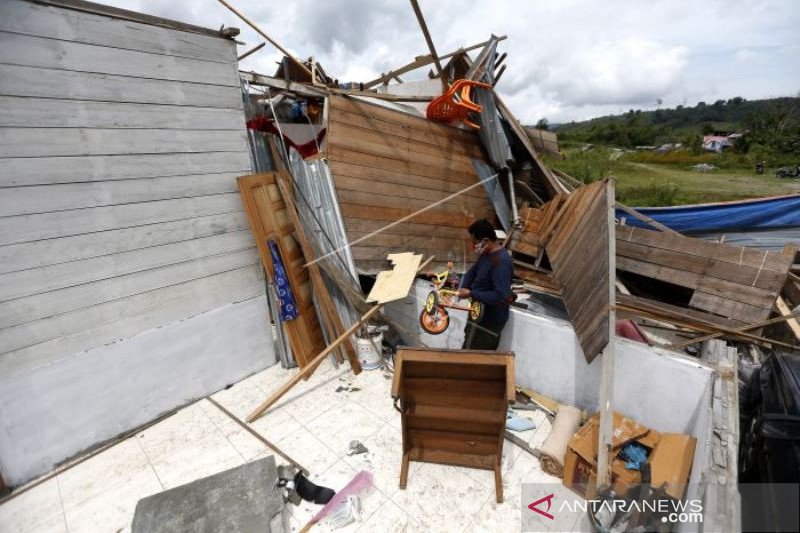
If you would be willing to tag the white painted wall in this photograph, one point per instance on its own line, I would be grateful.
(655, 387)
(129, 280)
(68, 406)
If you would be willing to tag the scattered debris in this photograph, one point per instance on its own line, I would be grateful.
(361, 483)
(703, 167)
(356, 448)
(514, 422)
(347, 388)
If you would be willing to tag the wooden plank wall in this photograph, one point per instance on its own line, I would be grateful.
(387, 165)
(120, 144)
(732, 282)
(578, 252)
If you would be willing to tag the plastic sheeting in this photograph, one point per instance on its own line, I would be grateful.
(748, 215)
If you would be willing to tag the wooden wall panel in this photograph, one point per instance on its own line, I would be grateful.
(732, 282)
(120, 144)
(578, 251)
(20, 80)
(55, 23)
(388, 165)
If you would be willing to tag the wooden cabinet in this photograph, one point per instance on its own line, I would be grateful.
(453, 405)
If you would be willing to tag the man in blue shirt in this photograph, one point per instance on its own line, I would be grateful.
(489, 282)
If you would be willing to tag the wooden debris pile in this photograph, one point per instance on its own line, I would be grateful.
(709, 288)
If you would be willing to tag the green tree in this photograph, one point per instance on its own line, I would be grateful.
(694, 143)
(543, 124)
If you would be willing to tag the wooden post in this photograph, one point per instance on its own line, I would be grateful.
(428, 40)
(310, 367)
(257, 435)
(268, 38)
(646, 219)
(607, 383)
(251, 51)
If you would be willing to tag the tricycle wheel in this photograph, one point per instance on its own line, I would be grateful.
(476, 311)
(431, 302)
(436, 322)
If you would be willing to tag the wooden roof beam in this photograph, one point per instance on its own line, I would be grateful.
(422, 61)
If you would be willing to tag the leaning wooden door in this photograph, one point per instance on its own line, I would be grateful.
(270, 221)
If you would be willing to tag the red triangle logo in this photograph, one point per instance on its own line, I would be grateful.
(544, 513)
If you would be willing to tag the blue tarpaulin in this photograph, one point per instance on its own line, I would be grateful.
(747, 215)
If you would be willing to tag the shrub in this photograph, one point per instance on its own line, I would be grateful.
(653, 195)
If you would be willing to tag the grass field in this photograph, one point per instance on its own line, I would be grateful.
(649, 180)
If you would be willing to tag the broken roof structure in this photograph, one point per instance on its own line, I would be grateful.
(149, 186)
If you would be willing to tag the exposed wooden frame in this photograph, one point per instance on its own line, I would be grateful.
(267, 37)
(714, 328)
(422, 61)
(381, 96)
(282, 85)
(793, 324)
(428, 40)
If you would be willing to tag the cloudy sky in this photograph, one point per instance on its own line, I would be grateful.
(567, 59)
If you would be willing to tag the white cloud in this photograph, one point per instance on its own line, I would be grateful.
(631, 71)
(567, 59)
(746, 55)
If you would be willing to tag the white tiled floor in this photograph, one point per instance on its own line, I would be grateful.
(314, 425)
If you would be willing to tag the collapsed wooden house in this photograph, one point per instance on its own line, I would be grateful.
(127, 251)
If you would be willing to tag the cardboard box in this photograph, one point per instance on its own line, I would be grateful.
(670, 458)
(671, 463)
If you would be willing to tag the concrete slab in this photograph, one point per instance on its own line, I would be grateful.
(239, 500)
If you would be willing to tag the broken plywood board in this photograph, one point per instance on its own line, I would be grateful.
(270, 220)
(422, 169)
(394, 284)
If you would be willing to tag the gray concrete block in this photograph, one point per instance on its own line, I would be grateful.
(239, 500)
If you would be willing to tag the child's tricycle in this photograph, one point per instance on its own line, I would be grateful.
(434, 318)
